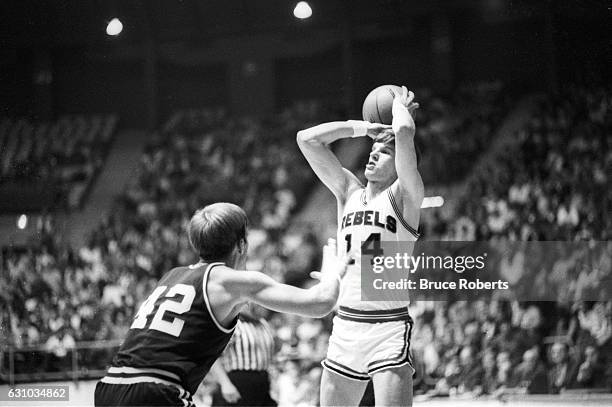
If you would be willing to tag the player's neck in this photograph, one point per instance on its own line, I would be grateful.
(229, 261)
(374, 188)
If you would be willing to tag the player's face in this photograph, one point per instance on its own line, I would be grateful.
(381, 163)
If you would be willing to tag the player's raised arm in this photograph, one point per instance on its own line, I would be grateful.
(314, 143)
(316, 301)
(409, 180)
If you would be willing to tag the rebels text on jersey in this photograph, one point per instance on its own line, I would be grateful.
(369, 218)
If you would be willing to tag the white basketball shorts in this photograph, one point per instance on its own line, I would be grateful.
(365, 342)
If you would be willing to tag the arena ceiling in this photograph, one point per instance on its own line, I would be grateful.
(81, 22)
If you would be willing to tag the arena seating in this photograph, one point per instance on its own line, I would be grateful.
(50, 166)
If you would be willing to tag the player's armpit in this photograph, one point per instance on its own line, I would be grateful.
(409, 188)
(353, 182)
(409, 200)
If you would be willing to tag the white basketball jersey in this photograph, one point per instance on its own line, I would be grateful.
(361, 226)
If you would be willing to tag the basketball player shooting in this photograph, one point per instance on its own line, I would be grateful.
(370, 340)
(189, 318)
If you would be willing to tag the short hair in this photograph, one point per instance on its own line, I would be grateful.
(216, 229)
(387, 137)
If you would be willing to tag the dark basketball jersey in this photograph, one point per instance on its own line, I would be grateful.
(174, 332)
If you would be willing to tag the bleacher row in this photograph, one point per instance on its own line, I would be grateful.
(58, 160)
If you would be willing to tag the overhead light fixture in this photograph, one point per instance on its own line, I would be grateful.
(22, 222)
(114, 27)
(302, 10)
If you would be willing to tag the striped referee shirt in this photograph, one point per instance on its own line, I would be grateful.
(251, 347)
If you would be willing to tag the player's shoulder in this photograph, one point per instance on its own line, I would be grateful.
(222, 273)
(187, 274)
(174, 274)
(220, 281)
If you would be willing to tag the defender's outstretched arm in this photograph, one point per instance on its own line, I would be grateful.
(316, 301)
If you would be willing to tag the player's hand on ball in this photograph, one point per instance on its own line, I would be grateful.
(333, 266)
(405, 99)
(375, 129)
(403, 107)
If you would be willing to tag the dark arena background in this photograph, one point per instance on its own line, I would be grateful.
(112, 132)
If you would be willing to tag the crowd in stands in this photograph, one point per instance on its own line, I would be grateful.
(453, 130)
(550, 184)
(496, 347)
(56, 160)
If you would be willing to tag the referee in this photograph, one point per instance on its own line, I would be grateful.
(242, 371)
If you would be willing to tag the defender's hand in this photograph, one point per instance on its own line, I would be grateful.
(333, 266)
(230, 392)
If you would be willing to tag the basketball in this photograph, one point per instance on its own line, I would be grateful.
(377, 105)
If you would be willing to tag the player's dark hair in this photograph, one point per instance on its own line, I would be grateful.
(216, 229)
(388, 138)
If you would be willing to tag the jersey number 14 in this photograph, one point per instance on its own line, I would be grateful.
(370, 247)
(158, 323)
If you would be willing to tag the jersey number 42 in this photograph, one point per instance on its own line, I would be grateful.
(158, 323)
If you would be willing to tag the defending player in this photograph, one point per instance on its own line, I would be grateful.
(370, 339)
(188, 319)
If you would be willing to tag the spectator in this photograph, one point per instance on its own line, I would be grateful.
(504, 370)
(292, 390)
(591, 372)
(471, 372)
(561, 371)
(530, 374)
(489, 373)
